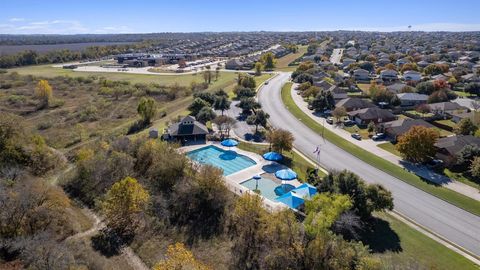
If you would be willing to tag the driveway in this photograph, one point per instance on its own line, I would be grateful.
(450, 222)
(336, 57)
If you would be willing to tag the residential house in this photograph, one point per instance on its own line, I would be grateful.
(188, 129)
(412, 76)
(396, 88)
(337, 92)
(373, 114)
(447, 108)
(361, 75)
(234, 64)
(353, 104)
(449, 147)
(398, 127)
(412, 99)
(388, 75)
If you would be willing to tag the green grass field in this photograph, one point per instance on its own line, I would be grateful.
(390, 147)
(403, 244)
(293, 160)
(450, 196)
(48, 71)
(282, 62)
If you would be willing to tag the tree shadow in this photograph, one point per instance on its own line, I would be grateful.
(380, 237)
(110, 243)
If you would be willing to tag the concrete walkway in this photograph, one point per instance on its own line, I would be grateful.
(371, 146)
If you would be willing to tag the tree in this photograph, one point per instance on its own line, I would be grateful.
(207, 76)
(435, 69)
(205, 114)
(465, 127)
(280, 140)
(44, 92)
(417, 144)
(371, 127)
(365, 198)
(243, 92)
(440, 84)
(197, 105)
(409, 66)
(268, 60)
(217, 73)
(124, 202)
(258, 69)
(206, 96)
(147, 107)
(323, 101)
(438, 96)
(423, 109)
(425, 88)
(312, 91)
(473, 88)
(248, 104)
(11, 140)
(258, 119)
(475, 167)
(178, 257)
(339, 112)
(225, 123)
(465, 156)
(322, 211)
(221, 103)
(247, 231)
(247, 81)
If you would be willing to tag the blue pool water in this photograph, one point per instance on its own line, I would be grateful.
(266, 186)
(229, 161)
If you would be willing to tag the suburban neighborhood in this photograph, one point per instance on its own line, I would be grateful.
(211, 136)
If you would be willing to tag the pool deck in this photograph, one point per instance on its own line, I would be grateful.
(234, 180)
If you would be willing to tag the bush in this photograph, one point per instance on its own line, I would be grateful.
(16, 99)
(5, 85)
(44, 125)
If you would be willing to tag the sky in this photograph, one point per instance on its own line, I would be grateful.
(142, 16)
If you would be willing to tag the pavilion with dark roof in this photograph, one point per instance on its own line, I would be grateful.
(188, 129)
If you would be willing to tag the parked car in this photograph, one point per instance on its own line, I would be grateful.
(434, 163)
(379, 136)
(348, 123)
(356, 136)
(266, 82)
(329, 120)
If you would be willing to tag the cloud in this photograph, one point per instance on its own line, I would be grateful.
(113, 29)
(16, 19)
(44, 27)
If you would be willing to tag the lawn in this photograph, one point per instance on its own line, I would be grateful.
(363, 131)
(49, 71)
(283, 62)
(447, 122)
(461, 177)
(293, 160)
(394, 241)
(420, 114)
(364, 87)
(450, 196)
(390, 147)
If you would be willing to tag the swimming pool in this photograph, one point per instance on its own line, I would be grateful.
(229, 161)
(265, 186)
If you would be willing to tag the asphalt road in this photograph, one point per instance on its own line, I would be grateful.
(448, 221)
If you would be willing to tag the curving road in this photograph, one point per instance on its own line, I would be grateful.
(444, 219)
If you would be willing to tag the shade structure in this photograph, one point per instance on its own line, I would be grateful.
(305, 191)
(291, 199)
(273, 156)
(286, 174)
(229, 143)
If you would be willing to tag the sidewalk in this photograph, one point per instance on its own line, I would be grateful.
(371, 146)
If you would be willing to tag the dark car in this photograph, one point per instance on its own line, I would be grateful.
(356, 136)
(329, 120)
(348, 123)
(379, 136)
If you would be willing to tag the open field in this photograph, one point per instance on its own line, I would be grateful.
(394, 241)
(282, 62)
(183, 80)
(452, 197)
(12, 49)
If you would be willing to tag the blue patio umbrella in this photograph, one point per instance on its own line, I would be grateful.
(229, 143)
(286, 174)
(272, 156)
(257, 177)
(291, 199)
(305, 191)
